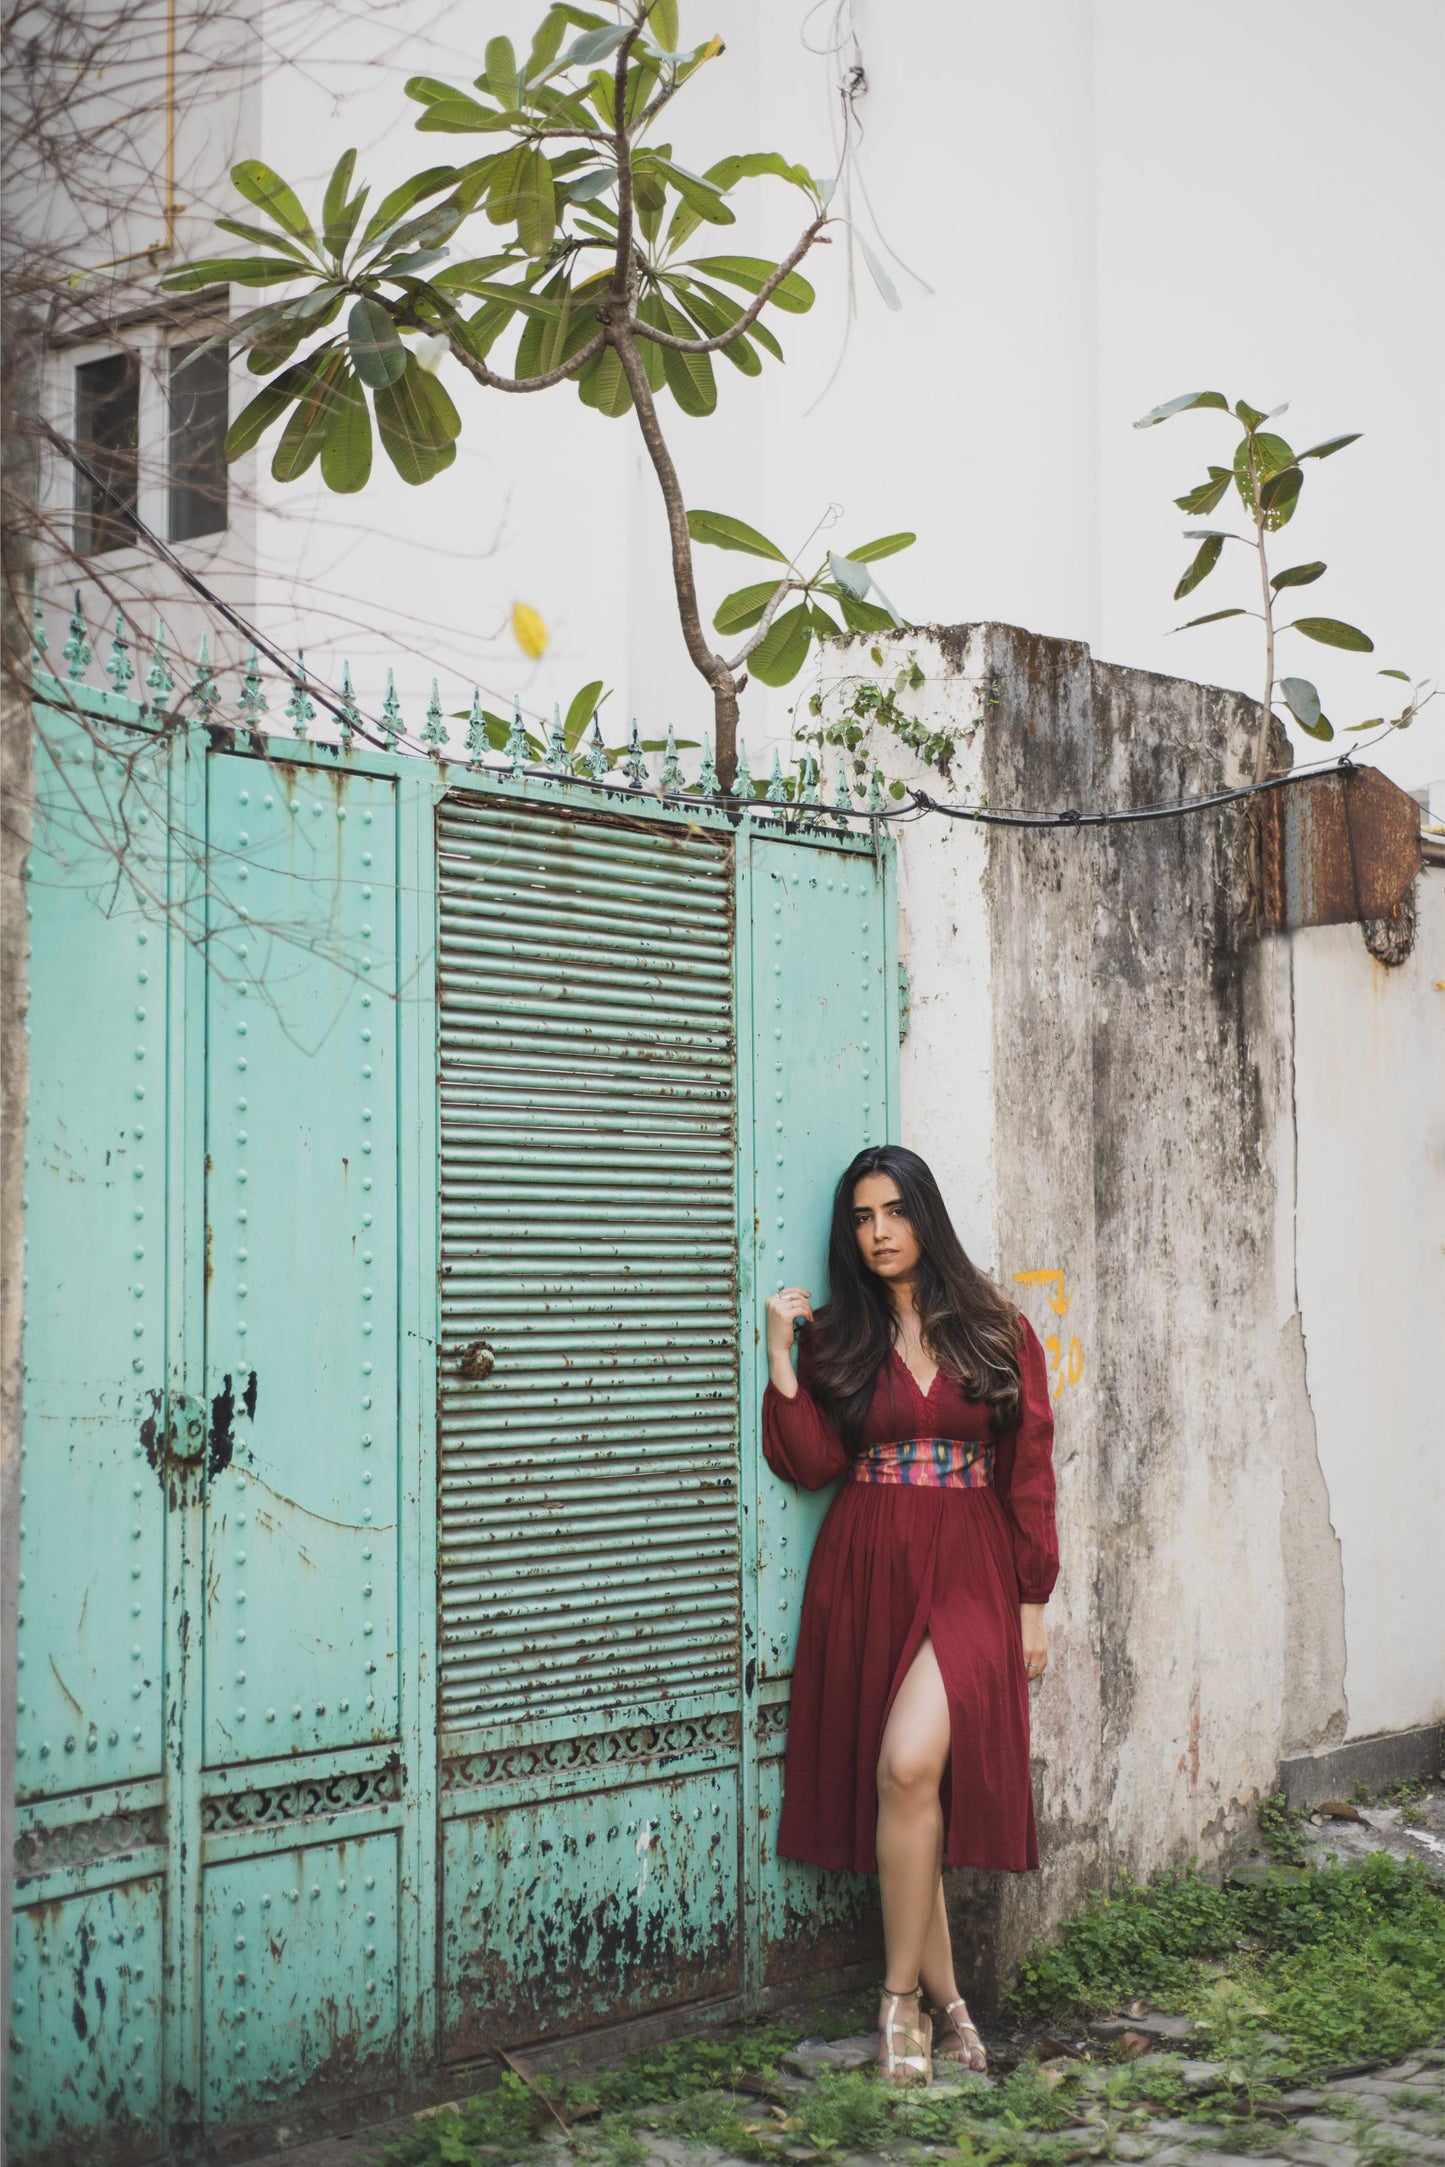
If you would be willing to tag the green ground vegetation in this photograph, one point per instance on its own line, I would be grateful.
(1287, 1972)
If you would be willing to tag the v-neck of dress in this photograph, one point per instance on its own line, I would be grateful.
(925, 1399)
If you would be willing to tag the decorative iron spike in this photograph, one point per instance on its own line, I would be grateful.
(595, 761)
(671, 778)
(843, 794)
(350, 717)
(558, 758)
(707, 771)
(252, 701)
(810, 794)
(299, 707)
(391, 722)
(634, 766)
(517, 747)
(159, 681)
(777, 788)
(434, 736)
(478, 743)
(39, 644)
(119, 667)
(743, 780)
(875, 789)
(205, 693)
(76, 650)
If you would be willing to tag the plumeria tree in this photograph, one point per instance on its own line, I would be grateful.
(591, 276)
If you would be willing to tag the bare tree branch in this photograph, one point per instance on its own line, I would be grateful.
(749, 316)
(764, 624)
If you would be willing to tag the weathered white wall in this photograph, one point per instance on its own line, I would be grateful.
(1369, 1066)
(1104, 221)
(1231, 1151)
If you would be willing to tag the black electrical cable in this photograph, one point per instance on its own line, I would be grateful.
(787, 811)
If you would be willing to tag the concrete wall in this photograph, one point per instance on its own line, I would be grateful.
(1206, 1137)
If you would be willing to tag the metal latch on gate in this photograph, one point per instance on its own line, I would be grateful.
(175, 1431)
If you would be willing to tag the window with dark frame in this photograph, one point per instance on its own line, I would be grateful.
(198, 390)
(107, 430)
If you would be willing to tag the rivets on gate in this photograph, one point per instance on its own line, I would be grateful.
(345, 1707)
(140, 1091)
(142, 978)
(240, 1941)
(240, 1677)
(270, 1718)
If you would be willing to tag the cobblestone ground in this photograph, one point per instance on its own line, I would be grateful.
(1382, 2118)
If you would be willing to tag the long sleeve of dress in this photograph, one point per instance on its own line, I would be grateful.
(1024, 1476)
(799, 1442)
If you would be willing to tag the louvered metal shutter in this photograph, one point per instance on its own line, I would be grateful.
(589, 1480)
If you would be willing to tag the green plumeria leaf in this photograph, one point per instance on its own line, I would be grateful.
(743, 608)
(780, 656)
(583, 705)
(721, 531)
(260, 237)
(264, 187)
(1403, 675)
(1299, 575)
(377, 353)
(689, 376)
(1331, 632)
(310, 424)
(394, 206)
(231, 271)
(346, 453)
(887, 545)
(418, 424)
(338, 190)
(256, 417)
(603, 385)
(501, 72)
(793, 294)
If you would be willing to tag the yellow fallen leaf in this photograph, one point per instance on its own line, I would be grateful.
(528, 631)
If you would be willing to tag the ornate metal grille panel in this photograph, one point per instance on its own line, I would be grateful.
(588, 1393)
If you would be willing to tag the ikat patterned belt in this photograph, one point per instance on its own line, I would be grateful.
(927, 1463)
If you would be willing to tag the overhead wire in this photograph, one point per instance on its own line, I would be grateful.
(914, 804)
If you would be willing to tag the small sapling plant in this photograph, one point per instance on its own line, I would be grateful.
(1268, 475)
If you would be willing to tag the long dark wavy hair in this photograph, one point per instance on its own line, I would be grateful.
(968, 1328)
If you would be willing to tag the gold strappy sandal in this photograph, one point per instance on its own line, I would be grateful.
(957, 2038)
(905, 2046)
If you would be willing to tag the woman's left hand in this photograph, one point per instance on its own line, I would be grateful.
(1036, 1640)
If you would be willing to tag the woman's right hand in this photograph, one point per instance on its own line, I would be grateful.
(783, 1310)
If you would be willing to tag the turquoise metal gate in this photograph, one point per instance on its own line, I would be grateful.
(407, 1614)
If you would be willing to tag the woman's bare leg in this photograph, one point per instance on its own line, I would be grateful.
(911, 1761)
(937, 1967)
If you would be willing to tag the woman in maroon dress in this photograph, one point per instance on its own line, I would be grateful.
(923, 1620)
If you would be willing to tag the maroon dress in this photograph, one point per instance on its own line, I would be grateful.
(903, 1552)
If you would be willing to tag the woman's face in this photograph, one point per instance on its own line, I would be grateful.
(886, 1241)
